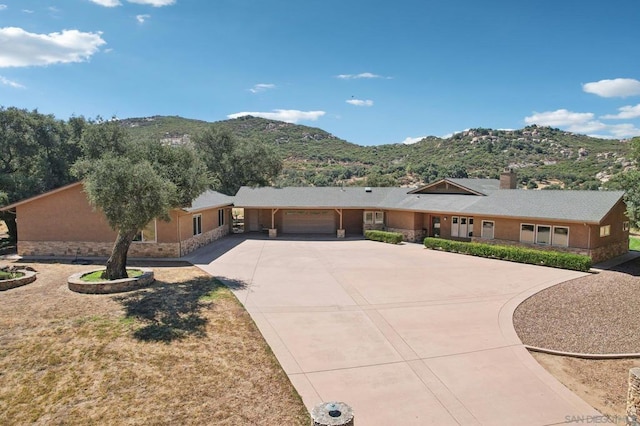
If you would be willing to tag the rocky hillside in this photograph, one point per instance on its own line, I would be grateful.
(542, 156)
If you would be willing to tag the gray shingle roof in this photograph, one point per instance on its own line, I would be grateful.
(209, 199)
(578, 206)
(586, 206)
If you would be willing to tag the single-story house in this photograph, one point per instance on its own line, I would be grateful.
(63, 223)
(594, 223)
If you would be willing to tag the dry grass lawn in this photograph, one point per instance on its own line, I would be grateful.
(183, 351)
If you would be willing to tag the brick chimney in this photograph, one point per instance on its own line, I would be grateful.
(508, 180)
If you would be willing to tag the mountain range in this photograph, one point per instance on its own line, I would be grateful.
(543, 157)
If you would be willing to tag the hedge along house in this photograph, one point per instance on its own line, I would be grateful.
(593, 223)
(63, 223)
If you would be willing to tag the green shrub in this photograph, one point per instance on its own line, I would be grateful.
(554, 259)
(384, 236)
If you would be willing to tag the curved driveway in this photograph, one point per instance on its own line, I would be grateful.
(403, 334)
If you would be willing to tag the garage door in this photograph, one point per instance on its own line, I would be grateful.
(308, 222)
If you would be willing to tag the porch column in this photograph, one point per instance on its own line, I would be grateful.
(273, 232)
(341, 231)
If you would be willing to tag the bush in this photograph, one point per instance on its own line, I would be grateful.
(384, 236)
(554, 259)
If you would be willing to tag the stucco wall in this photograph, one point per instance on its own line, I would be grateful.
(400, 219)
(509, 229)
(64, 224)
(63, 216)
(616, 216)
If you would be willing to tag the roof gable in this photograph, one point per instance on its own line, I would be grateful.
(459, 186)
(37, 197)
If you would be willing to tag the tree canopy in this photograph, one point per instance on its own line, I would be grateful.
(134, 182)
(629, 181)
(36, 154)
(235, 162)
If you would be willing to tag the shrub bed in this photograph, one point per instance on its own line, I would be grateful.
(384, 236)
(554, 259)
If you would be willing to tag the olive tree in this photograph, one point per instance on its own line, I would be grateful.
(134, 182)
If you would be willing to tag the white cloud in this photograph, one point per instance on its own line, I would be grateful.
(583, 123)
(10, 83)
(626, 112)
(23, 49)
(261, 87)
(361, 75)
(410, 140)
(619, 87)
(622, 131)
(360, 102)
(154, 3)
(558, 118)
(27, 11)
(142, 18)
(3, 6)
(107, 3)
(287, 115)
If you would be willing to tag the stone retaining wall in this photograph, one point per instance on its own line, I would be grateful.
(75, 283)
(28, 277)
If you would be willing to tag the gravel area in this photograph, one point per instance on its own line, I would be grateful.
(598, 314)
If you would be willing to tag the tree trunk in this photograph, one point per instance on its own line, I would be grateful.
(9, 219)
(117, 263)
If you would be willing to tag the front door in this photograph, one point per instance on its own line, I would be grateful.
(435, 226)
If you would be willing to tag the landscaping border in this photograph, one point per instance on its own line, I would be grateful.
(27, 278)
(75, 283)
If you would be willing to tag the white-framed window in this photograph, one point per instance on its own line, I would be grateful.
(373, 217)
(379, 218)
(605, 230)
(625, 225)
(220, 217)
(197, 224)
(543, 234)
(487, 229)
(368, 218)
(560, 236)
(470, 230)
(527, 233)
(148, 233)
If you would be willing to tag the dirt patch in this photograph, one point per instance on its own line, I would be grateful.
(601, 383)
(183, 351)
(597, 313)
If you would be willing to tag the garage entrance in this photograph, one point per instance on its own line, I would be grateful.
(309, 222)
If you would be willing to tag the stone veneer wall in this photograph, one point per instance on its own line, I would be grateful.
(597, 255)
(203, 239)
(94, 249)
(412, 235)
(601, 254)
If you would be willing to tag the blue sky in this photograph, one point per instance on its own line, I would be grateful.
(370, 72)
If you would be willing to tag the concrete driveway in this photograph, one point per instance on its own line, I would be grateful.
(405, 335)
